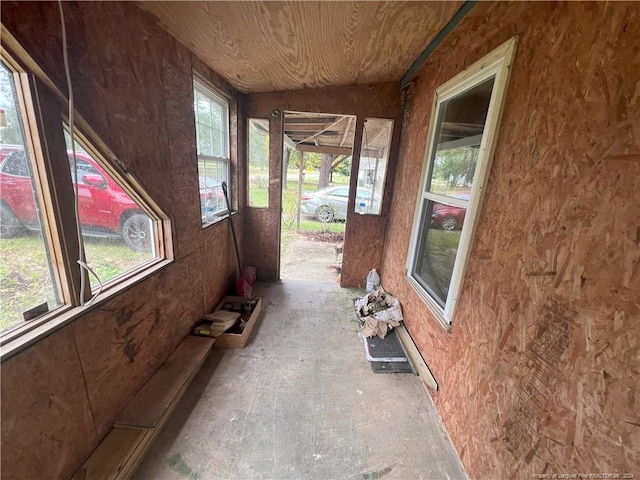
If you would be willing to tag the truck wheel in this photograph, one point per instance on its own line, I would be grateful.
(136, 232)
(10, 226)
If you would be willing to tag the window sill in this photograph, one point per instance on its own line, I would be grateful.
(33, 331)
(429, 302)
(219, 218)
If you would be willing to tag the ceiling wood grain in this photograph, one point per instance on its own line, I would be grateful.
(282, 46)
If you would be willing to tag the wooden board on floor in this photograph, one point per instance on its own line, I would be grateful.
(418, 362)
(167, 384)
(114, 456)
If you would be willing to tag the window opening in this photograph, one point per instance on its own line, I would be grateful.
(118, 236)
(258, 175)
(212, 141)
(27, 275)
(39, 285)
(461, 142)
(374, 158)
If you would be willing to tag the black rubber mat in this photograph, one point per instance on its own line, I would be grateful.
(387, 349)
(391, 367)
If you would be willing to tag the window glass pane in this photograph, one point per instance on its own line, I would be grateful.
(205, 140)
(212, 122)
(258, 163)
(436, 256)
(216, 143)
(203, 110)
(212, 134)
(460, 127)
(117, 235)
(217, 116)
(211, 174)
(374, 157)
(26, 268)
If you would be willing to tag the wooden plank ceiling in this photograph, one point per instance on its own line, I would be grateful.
(280, 46)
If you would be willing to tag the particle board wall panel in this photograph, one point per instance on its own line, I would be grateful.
(136, 334)
(540, 373)
(365, 234)
(109, 63)
(374, 100)
(132, 83)
(177, 84)
(219, 269)
(261, 225)
(363, 245)
(46, 416)
(262, 240)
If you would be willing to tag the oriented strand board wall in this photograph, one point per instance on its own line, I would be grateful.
(133, 84)
(541, 372)
(365, 233)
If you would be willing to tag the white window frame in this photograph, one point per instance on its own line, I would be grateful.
(203, 88)
(496, 64)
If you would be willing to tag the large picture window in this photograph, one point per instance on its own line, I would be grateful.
(460, 147)
(212, 141)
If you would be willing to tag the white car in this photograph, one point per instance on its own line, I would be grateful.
(329, 204)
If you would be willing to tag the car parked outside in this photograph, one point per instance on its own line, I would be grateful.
(211, 193)
(329, 204)
(104, 208)
(448, 217)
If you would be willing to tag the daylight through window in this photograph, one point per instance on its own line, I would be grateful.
(42, 283)
(374, 157)
(27, 277)
(117, 234)
(462, 136)
(258, 152)
(212, 140)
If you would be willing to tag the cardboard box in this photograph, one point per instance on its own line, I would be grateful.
(239, 340)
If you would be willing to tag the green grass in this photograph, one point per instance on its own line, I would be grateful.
(438, 258)
(25, 279)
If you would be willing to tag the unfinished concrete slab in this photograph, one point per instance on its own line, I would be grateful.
(308, 259)
(300, 401)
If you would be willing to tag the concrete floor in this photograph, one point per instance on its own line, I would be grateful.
(300, 402)
(305, 259)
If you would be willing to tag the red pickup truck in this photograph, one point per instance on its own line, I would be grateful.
(105, 209)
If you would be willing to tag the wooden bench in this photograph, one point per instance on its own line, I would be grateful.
(120, 453)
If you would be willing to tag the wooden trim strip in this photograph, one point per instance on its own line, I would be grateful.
(416, 358)
(437, 40)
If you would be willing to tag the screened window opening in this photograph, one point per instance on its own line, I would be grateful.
(27, 278)
(374, 158)
(212, 141)
(461, 142)
(118, 236)
(258, 175)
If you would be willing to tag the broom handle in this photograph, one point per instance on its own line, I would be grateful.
(233, 230)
